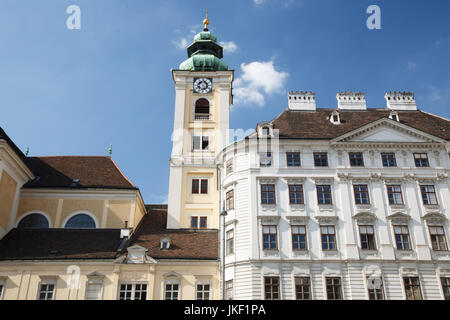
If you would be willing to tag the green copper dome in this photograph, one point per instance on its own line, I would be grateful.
(204, 54)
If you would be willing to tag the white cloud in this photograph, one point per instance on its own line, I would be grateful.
(229, 46)
(181, 44)
(258, 78)
(258, 2)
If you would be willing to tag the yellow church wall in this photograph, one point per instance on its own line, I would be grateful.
(7, 195)
(70, 206)
(47, 206)
(118, 212)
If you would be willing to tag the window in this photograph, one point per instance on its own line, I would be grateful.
(356, 159)
(328, 237)
(296, 194)
(402, 239)
(94, 291)
(203, 291)
(302, 288)
(230, 200)
(421, 160)
(200, 143)
(428, 195)
(230, 241)
(375, 288)
(293, 159)
(446, 287)
(388, 159)
(171, 291)
(395, 194)
(299, 237)
(270, 238)
(195, 222)
(265, 131)
(320, 159)
(334, 288)
(324, 194)
(81, 221)
(412, 288)
(268, 194)
(201, 109)
(361, 192)
(367, 236)
(229, 167)
(229, 290)
(133, 291)
(199, 186)
(165, 243)
(438, 241)
(265, 159)
(272, 288)
(203, 222)
(34, 220)
(2, 288)
(47, 290)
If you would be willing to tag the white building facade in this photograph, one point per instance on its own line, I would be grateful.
(344, 203)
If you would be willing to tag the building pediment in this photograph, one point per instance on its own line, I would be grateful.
(399, 217)
(434, 218)
(365, 217)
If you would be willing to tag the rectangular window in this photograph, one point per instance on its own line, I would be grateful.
(299, 238)
(293, 159)
(367, 236)
(328, 236)
(412, 288)
(356, 159)
(334, 288)
(46, 291)
(438, 241)
(203, 222)
(320, 159)
(296, 194)
(268, 194)
(203, 291)
(194, 222)
(171, 291)
(446, 287)
(272, 288)
(375, 288)
(265, 159)
(394, 194)
(204, 186)
(402, 238)
(324, 194)
(388, 159)
(94, 291)
(133, 291)
(230, 241)
(230, 200)
(361, 192)
(200, 143)
(270, 238)
(229, 167)
(421, 160)
(302, 288)
(199, 186)
(229, 290)
(428, 195)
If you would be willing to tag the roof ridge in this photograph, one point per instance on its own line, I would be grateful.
(112, 160)
(435, 115)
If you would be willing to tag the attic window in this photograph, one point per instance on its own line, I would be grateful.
(334, 118)
(165, 243)
(265, 131)
(394, 116)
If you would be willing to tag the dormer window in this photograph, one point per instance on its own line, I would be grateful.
(265, 131)
(165, 243)
(394, 116)
(334, 118)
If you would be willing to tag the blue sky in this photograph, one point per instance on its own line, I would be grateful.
(73, 92)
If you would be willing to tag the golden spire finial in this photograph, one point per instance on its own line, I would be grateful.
(206, 21)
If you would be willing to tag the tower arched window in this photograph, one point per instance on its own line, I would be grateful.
(202, 109)
(35, 221)
(81, 221)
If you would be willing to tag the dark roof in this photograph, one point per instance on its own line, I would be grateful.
(91, 171)
(4, 136)
(316, 124)
(185, 243)
(56, 244)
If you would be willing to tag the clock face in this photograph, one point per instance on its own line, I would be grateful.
(202, 85)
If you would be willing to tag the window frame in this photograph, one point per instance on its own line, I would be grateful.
(361, 192)
(271, 285)
(426, 194)
(350, 154)
(202, 291)
(383, 296)
(133, 291)
(229, 167)
(229, 239)
(443, 236)
(321, 159)
(383, 161)
(199, 186)
(305, 234)
(296, 192)
(394, 193)
(46, 282)
(293, 155)
(267, 192)
(270, 234)
(171, 291)
(229, 200)
(302, 285)
(445, 286)
(374, 242)
(401, 226)
(202, 140)
(318, 197)
(334, 286)
(420, 159)
(408, 286)
(328, 237)
(229, 290)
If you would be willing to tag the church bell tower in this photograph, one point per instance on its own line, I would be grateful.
(203, 85)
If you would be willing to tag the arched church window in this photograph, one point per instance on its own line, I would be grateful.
(35, 221)
(81, 221)
(202, 109)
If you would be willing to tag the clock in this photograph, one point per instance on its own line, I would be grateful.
(202, 85)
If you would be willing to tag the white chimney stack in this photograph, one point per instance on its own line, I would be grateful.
(302, 100)
(351, 101)
(400, 100)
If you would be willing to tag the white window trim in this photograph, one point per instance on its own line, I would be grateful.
(203, 282)
(201, 142)
(49, 220)
(96, 279)
(171, 282)
(63, 225)
(45, 281)
(199, 186)
(133, 287)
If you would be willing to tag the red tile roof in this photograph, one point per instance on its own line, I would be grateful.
(316, 124)
(185, 243)
(91, 171)
(57, 244)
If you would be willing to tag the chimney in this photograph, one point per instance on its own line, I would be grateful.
(351, 101)
(400, 100)
(302, 100)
